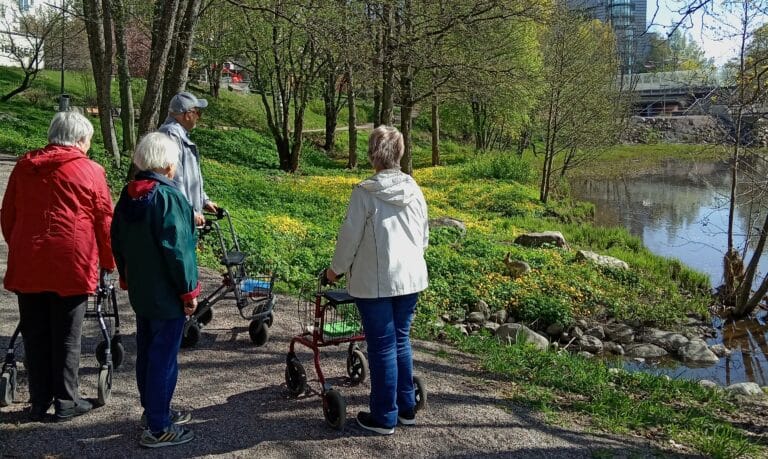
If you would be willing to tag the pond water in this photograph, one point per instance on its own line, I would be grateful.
(681, 211)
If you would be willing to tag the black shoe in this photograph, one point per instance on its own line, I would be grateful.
(38, 413)
(366, 421)
(407, 418)
(68, 409)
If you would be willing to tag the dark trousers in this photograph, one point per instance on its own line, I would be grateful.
(51, 326)
(157, 368)
(387, 325)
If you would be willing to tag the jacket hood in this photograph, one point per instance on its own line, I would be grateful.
(391, 186)
(47, 160)
(139, 193)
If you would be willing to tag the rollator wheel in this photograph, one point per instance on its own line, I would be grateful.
(295, 376)
(357, 366)
(8, 386)
(118, 351)
(270, 319)
(206, 317)
(259, 331)
(191, 333)
(105, 384)
(334, 409)
(421, 393)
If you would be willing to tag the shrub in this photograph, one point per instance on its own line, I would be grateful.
(500, 166)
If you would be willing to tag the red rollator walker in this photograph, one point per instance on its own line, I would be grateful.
(329, 318)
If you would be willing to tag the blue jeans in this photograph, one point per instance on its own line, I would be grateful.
(157, 346)
(387, 325)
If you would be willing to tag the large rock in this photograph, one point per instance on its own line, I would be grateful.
(746, 388)
(491, 327)
(644, 351)
(499, 316)
(450, 223)
(620, 333)
(555, 330)
(519, 334)
(613, 348)
(597, 331)
(720, 350)
(601, 260)
(538, 239)
(481, 307)
(708, 384)
(670, 341)
(475, 317)
(697, 352)
(590, 344)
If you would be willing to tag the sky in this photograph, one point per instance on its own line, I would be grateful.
(715, 31)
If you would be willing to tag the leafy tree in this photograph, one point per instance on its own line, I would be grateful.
(283, 57)
(677, 52)
(579, 107)
(744, 287)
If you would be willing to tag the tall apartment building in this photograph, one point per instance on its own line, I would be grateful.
(627, 19)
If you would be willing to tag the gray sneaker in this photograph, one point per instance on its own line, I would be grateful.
(170, 436)
(177, 417)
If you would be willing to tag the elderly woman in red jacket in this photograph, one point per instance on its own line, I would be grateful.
(55, 217)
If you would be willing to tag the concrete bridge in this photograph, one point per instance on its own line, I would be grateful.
(678, 93)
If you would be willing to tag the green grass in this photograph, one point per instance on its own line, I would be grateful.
(617, 401)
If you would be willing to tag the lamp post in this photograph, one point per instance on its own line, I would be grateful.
(64, 97)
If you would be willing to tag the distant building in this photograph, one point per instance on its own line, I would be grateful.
(14, 45)
(627, 19)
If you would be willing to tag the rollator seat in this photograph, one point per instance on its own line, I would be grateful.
(233, 258)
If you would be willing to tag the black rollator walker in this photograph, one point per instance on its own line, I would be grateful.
(252, 294)
(110, 352)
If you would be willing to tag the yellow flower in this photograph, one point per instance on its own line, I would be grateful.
(287, 225)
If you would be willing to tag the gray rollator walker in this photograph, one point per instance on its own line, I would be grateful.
(252, 294)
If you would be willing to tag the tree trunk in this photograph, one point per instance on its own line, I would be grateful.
(25, 84)
(214, 80)
(298, 124)
(163, 25)
(99, 31)
(435, 130)
(331, 110)
(352, 109)
(177, 74)
(388, 68)
(126, 96)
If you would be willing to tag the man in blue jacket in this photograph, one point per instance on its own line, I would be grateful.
(153, 241)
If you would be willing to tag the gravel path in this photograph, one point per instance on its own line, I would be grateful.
(237, 394)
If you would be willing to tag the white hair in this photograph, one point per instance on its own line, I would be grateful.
(385, 147)
(69, 128)
(156, 151)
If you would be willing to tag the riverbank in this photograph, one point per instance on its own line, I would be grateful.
(644, 159)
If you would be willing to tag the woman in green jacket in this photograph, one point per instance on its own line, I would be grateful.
(153, 241)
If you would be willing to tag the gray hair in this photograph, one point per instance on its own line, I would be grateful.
(385, 148)
(69, 128)
(156, 151)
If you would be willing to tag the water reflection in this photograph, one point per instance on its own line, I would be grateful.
(681, 211)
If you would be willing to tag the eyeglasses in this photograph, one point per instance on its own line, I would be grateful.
(197, 112)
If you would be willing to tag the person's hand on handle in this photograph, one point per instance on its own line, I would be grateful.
(190, 307)
(331, 276)
(199, 219)
(211, 206)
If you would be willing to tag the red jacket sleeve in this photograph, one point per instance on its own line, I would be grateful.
(103, 220)
(8, 212)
